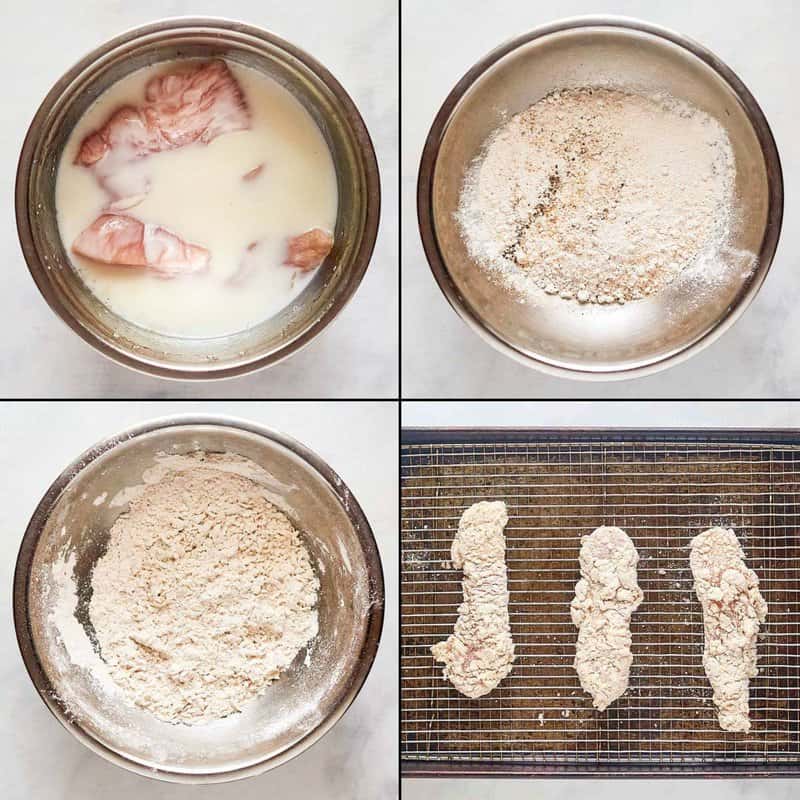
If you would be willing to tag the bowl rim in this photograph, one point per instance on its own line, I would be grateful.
(372, 630)
(154, 366)
(437, 261)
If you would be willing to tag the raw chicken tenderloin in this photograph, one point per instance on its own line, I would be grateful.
(181, 107)
(480, 651)
(126, 241)
(191, 105)
(304, 252)
(605, 598)
(733, 610)
(309, 249)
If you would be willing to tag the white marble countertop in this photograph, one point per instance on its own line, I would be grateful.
(356, 356)
(758, 357)
(356, 759)
(611, 414)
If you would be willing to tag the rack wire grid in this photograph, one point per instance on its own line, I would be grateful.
(662, 488)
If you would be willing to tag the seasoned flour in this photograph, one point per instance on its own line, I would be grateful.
(600, 195)
(205, 594)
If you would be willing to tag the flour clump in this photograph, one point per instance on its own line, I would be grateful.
(205, 595)
(600, 195)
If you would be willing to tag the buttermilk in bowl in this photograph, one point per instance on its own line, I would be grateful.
(196, 198)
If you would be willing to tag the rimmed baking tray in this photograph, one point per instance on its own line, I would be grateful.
(662, 486)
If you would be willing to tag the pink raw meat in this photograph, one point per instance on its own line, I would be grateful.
(126, 241)
(306, 252)
(194, 105)
(309, 249)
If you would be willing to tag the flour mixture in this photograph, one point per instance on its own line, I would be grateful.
(600, 196)
(205, 594)
(196, 198)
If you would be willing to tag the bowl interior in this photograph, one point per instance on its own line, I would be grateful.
(305, 698)
(332, 284)
(567, 335)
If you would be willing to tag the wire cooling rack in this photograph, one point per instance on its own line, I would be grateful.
(662, 488)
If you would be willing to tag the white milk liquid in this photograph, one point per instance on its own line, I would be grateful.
(197, 192)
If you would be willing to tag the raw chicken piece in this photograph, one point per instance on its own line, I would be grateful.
(197, 105)
(733, 610)
(305, 252)
(193, 105)
(308, 250)
(126, 241)
(480, 651)
(605, 598)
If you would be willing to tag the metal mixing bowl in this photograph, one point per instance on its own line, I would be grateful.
(332, 285)
(564, 338)
(75, 515)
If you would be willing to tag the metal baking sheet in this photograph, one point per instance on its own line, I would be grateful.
(662, 487)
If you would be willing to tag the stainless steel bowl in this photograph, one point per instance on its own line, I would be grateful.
(563, 338)
(298, 708)
(333, 284)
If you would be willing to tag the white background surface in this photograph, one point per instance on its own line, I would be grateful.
(665, 414)
(356, 760)
(758, 357)
(356, 356)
